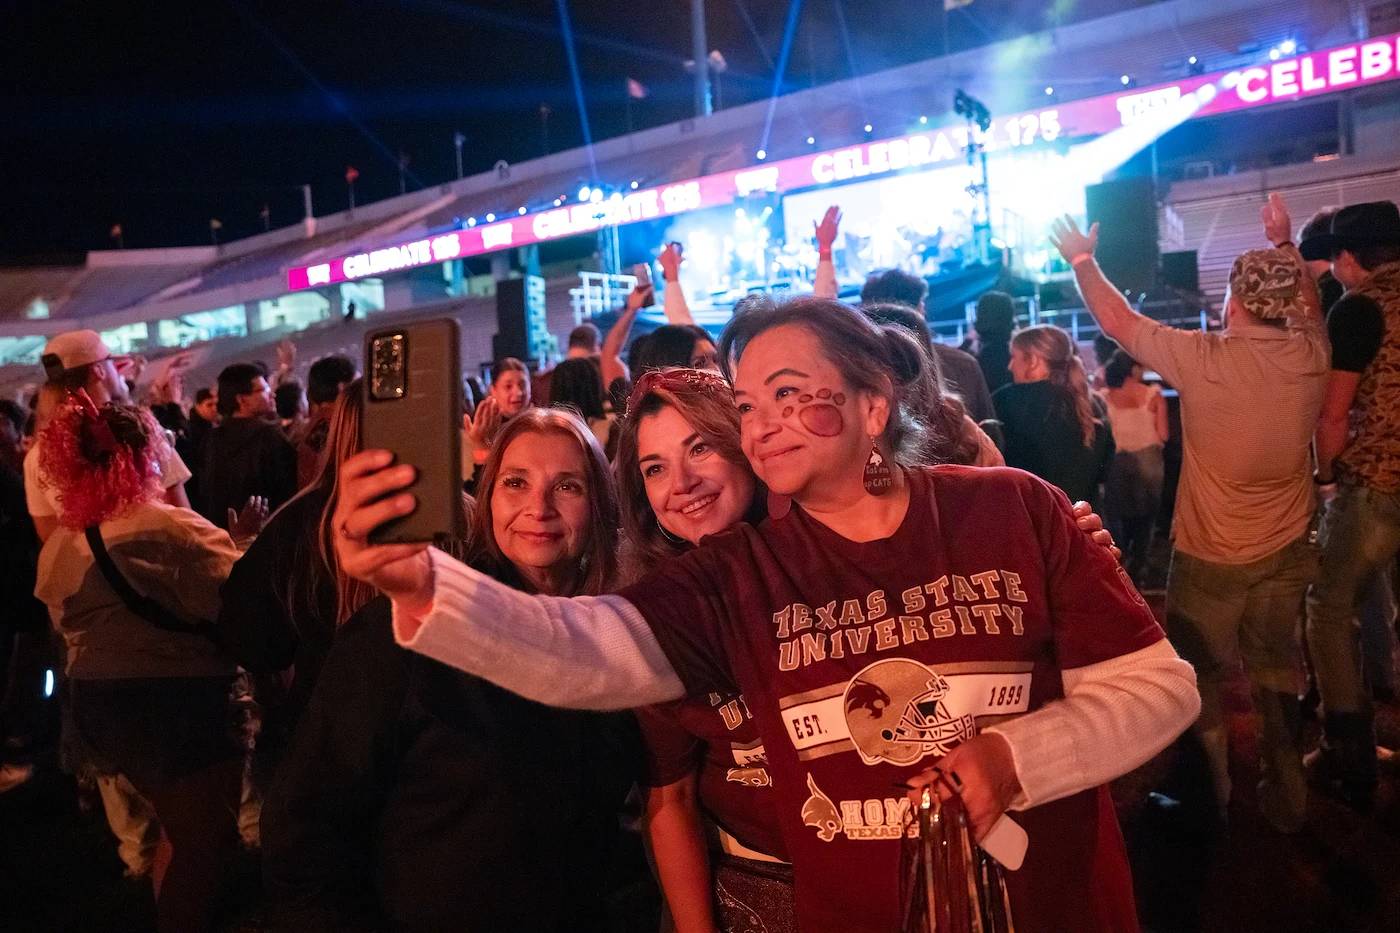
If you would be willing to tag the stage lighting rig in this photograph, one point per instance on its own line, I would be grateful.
(972, 109)
(976, 114)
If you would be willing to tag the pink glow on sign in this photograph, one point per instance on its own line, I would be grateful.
(1312, 74)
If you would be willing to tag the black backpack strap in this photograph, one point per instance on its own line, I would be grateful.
(145, 607)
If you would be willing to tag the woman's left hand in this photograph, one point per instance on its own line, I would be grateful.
(984, 774)
(1089, 522)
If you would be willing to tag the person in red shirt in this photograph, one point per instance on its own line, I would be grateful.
(881, 620)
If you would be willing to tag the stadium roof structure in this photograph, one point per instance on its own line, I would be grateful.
(1151, 43)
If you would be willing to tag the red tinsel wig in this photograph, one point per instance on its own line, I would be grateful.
(100, 462)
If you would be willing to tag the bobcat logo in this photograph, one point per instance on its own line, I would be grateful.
(749, 777)
(820, 813)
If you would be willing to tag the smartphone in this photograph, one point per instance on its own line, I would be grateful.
(413, 407)
(642, 271)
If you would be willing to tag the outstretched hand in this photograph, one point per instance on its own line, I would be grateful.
(1278, 226)
(825, 229)
(247, 523)
(1066, 237)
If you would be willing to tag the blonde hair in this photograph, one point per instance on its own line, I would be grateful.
(1066, 370)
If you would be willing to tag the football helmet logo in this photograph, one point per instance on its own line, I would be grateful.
(895, 712)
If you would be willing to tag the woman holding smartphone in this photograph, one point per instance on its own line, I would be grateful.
(882, 620)
(416, 797)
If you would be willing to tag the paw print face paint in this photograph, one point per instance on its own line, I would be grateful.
(820, 413)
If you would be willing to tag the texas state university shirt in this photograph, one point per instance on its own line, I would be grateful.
(863, 663)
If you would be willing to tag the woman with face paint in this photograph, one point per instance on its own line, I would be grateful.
(884, 618)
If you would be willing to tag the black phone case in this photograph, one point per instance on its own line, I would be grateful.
(422, 427)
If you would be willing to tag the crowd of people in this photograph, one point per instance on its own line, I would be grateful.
(728, 609)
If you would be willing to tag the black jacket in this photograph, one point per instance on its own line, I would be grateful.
(415, 797)
(1042, 437)
(277, 611)
(245, 457)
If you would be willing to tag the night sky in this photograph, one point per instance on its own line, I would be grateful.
(159, 115)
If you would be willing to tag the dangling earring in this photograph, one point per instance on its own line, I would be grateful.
(878, 478)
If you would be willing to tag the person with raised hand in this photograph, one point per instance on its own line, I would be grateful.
(884, 618)
(1241, 555)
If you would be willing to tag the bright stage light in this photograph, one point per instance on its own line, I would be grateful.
(1288, 46)
(595, 196)
(490, 218)
(761, 154)
(1125, 80)
(1049, 90)
(923, 121)
(811, 140)
(471, 221)
(1275, 55)
(48, 682)
(558, 202)
(521, 212)
(636, 185)
(869, 128)
(584, 192)
(1192, 60)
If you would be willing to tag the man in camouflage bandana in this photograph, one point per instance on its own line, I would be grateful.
(1241, 558)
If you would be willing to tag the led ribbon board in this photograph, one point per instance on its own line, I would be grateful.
(1302, 76)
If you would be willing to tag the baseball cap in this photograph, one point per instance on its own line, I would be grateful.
(1268, 283)
(1367, 224)
(73, 349)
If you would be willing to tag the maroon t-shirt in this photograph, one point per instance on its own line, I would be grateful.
(863, 663)
(715, 735)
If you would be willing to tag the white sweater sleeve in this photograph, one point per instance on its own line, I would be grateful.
(1114, 716)
(588, 652)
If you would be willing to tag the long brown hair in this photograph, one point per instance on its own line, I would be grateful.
(313, 557)
(1066, 370)
(706, 402)
(884, 361)
(597, 567)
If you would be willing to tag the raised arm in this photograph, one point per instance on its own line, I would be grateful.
(1278, 229)
(581, 653)
(673, 301)
(1108, 306)
(824, 280)
(610, 357)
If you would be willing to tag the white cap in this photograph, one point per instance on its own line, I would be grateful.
(73, 349)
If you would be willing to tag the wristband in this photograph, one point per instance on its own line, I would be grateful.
(1080, 258)
(823, 254)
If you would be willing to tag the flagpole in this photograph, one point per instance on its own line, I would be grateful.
(629, 111)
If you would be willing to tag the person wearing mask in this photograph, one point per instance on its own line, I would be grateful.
(286, 597)
(863, 594)
(1047, 414)
(1241, 557)
(148, 691)
(960, 369)
(247, 455)
(994, 320)
(79, 360)
(1358, 475)
(326, 379)
(508, 396)
(1137, 413)
(452, 803)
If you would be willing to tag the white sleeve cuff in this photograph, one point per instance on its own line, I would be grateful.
(1115, 715)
